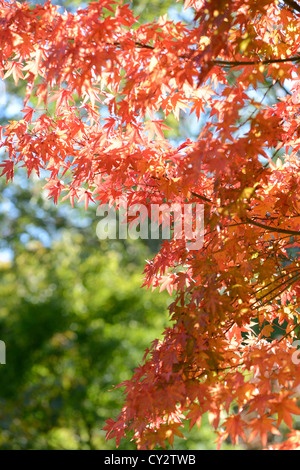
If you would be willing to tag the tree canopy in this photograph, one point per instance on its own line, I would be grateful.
(73, 321)
(102, 88)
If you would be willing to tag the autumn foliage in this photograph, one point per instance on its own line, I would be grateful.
(100, 86)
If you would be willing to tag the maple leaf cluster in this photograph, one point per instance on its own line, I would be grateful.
(103, 85)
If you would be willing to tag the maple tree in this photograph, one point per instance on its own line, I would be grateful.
(100, 88)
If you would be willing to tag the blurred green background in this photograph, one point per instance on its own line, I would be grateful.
(72, 312)
(75, 322)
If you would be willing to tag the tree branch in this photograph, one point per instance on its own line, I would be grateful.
(272, 229)
(238, 63)
(203, 198)
(292, 4)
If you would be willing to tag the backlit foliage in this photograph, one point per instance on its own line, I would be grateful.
(100, 86)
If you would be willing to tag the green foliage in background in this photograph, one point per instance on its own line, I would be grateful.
(75, 322)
